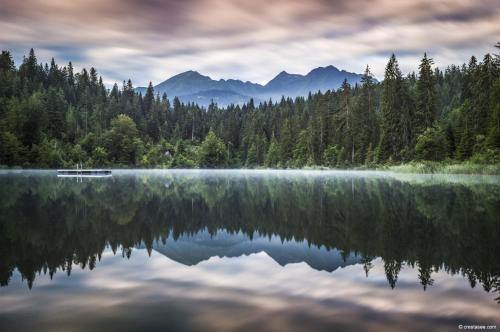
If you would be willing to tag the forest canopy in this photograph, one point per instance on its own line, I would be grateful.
(52, 117)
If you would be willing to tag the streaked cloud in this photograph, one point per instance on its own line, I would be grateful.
(250, 40)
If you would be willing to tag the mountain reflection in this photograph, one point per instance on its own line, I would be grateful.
(201, 246)
(49, 224)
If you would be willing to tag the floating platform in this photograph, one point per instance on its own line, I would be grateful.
(84, 173)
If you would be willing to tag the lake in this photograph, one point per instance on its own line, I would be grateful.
(249, 251)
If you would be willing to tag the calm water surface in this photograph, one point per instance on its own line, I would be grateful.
(248, 251)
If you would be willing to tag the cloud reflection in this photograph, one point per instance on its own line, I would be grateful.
(244, 293)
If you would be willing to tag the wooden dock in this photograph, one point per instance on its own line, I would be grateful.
(83, 172)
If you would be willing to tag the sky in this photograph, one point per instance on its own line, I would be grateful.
(152, 40)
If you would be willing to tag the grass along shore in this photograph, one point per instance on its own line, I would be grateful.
(427, 167)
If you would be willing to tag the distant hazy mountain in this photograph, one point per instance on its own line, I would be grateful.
(319, 79)
(201, 246)
(194, 87)
(221, 97)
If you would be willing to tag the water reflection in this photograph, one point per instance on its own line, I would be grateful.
(201, 246)
(437, 234)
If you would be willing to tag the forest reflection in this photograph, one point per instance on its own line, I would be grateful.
(49, 224)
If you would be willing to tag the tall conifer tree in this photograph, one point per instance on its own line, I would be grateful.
(426, 96)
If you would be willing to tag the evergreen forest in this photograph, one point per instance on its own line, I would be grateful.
(52, 116)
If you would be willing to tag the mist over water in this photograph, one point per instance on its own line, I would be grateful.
(247, 250)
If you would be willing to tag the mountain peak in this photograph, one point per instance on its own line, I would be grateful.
(324, 70)
(193, 86)
(282, 79)
(188, 74)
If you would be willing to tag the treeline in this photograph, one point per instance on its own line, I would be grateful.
(53, 117)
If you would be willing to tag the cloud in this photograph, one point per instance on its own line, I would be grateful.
(250, 40)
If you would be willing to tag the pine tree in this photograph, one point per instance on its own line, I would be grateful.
(345, 120)
(392, 136)
(71, 77)
(364, 118)
(488, 72)
(272, 156)
(148, 99)
(286, 143)
(465, 146)
(426, 97)
(29, 73)
(7, 77)
(212, 151)
(6, 62)
(252, 157)
(56, 106)
(93, 79)
(302, 152)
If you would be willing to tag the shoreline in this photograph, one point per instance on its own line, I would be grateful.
(408, 168)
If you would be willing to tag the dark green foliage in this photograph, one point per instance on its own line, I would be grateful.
(56, 106)
(432, 145)
(286, 143)
(493, 138)
(212, 151)
(11, 149)
(183, 156)
(53, 117)
(121, 140)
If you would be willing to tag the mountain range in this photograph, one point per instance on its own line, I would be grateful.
(192, 86)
